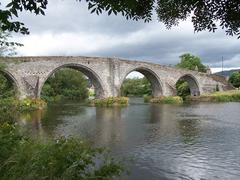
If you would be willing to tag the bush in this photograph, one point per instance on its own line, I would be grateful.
(183, 89)
(29, 104)
(136, 87)
(23, 158)
(110, 101)
(8, 110)
(234, 79)
(167, 100)
(6, 86)
(224, 96)
(147, 99)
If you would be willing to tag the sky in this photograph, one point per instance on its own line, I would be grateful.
(68, 29)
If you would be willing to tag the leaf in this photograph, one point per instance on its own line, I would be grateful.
(110, 12)
(93, 10)
(9, 5)
(14, 12)
(42, 12)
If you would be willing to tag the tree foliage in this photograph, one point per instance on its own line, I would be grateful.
(136, 87)
(6, 87)
(25, 158)
(191, 62)
(66, 83)
(7, 48)
(234, 79)
(183, 89)
(205, 15)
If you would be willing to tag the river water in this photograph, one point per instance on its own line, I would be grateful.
(197, 141)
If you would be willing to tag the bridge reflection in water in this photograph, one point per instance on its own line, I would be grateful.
(165, 141)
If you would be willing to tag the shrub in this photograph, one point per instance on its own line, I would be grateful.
(167, 100)
(147, 99)
(23, 158)
(110, 101)
(8, 110)
(29, 104)
(234, 79)
(224, 96)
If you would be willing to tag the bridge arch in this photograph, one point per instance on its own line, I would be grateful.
(192, 83)
(152, 77)
(10, 77)
(93, 76)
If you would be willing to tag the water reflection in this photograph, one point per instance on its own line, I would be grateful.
(189, 130)
(32, 123)
(166, 141)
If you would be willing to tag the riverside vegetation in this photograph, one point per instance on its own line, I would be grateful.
(226, 96)
(70, 84)
(63, 158)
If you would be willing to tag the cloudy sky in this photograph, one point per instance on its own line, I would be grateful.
(68, 29)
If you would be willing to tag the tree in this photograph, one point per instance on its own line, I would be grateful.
(183, 89)
(67, 83)
(205, 14)
(234, 79)
(136, 87)
(191, 62)
(7, 48)
(6, 87)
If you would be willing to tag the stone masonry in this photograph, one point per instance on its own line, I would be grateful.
(107, 75)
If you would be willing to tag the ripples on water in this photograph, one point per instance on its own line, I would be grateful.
(200, 141)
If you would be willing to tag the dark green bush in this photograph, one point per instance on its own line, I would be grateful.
(65, 84)
(136, 87)
(24, 158)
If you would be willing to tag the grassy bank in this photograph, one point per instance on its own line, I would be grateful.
(109, 101)
(224, 96)
(164, 100)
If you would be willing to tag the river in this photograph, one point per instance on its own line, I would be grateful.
(197, 141)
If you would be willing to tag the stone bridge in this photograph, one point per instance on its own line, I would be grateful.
(107, 75)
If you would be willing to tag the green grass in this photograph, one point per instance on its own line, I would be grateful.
(110, 101)
(220, 96)
(167, 100)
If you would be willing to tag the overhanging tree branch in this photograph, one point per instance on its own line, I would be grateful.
(205, 14)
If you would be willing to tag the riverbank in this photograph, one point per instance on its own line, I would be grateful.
(22, 156)
(224, 96)
(27, 104)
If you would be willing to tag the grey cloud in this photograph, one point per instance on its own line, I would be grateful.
(71, 16)
(155, 43)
